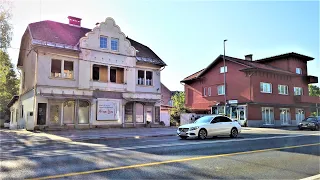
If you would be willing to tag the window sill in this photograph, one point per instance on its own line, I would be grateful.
(220, 94)
(98, 81)
(266, 92)
(61, 78)
(145, 85)
(283, 94)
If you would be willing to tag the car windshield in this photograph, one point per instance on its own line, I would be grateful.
(205, 119)
(309, 119)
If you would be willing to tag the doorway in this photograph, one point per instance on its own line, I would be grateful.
(42, 114)
(242, 116)
(285, 116)
(299, 115)
(55, 114)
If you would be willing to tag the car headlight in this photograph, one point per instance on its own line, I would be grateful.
(194, 128)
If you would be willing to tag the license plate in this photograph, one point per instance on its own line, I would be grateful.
(183, 133)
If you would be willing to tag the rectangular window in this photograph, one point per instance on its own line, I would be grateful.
(298, 70)
(149, 78)
(114, 44)
(223, 69)
(55, 68)
(267, 115)
(103, 42)
(209, 91)
(117, 75)
(297, 91)
(68, 69)
(140, 77)
(283, 89)
(100, 73)
(265, 87)
(221, 90)
(204, 91)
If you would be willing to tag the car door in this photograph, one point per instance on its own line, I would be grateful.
(226, 125)
(215, 127)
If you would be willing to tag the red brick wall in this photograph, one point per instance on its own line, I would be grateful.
(237, 86)
(289, 64)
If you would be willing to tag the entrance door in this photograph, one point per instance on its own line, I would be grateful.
(241, 113)
(55, 114)
(42, 113)
(284, 116)
(299, 115)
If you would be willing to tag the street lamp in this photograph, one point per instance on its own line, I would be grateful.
(224, 76)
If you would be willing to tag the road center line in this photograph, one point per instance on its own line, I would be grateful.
(169, 161)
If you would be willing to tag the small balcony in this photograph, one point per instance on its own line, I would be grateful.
(312, 79)
(306, 99)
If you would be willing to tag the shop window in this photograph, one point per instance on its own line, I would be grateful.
(148, 78)
(68, 69)
(68, 112)
(139, 113)
(140, 77)
(117, 75)
(267, 115)
(128, 116)
(100, 73)
(149, 114)
(55, 68)
(83, 112)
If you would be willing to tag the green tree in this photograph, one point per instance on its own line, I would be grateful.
(314, 90)
(178, 100)
(9, 83)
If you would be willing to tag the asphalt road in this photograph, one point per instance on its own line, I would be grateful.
(255, 154)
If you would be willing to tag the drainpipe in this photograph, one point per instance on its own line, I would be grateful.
(35, 89)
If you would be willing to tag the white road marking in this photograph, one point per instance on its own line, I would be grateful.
(110, 149)
(312, 177)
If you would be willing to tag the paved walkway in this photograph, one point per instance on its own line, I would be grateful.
(24, 136)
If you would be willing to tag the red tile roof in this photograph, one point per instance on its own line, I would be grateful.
(290, 54)
(193, 76)
(56, 32)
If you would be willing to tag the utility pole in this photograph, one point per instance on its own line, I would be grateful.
(224, 76)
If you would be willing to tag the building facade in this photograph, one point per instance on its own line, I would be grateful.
(267, 92)
(74, 77)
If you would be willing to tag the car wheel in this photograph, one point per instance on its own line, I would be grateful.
(183, 137)
(300, 128)
(234, 133)
(316, 128)
(202, 134)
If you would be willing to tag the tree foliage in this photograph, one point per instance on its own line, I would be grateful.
(178, 100)
(9, 83)
(314, 90)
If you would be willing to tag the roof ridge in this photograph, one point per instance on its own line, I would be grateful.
(194, 73)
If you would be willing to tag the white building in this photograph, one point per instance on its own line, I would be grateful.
(74, 77)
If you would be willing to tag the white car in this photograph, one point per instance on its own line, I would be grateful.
(210, 126)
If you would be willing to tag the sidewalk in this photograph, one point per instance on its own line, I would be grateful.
(27, 137)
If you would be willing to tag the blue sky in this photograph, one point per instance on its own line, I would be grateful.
(188, 35)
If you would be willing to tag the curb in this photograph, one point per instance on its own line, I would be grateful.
(49, 141)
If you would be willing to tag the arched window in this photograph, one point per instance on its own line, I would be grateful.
(83, 112)
(128, 116)
(68, 112)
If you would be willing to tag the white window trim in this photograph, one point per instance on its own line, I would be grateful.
(117, 44)
(300, 71)
(145, 78)
(286, 87)
(62, 69)
(204, 91)
(100, 42)
(209, 91)
(224, 90)
(297, 94)
(223, 70)
(273, 120)
(264, 91)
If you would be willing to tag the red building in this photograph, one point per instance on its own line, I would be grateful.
(267, 92)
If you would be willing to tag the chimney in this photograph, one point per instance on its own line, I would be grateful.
(248, 57)
(74, 21)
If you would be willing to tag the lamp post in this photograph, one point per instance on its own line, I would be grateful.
(224, 76)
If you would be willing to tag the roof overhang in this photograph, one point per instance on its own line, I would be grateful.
(286, 55)
(12, 100)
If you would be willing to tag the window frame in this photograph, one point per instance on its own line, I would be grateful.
(209, 91)
(262, 91)
(62, 76)
(204, 92)
(106, 37)
(286, 92)
(151, 80)
(145, 77)
(112, 40)
(300, 70)
(224, 90)
(301, 91)
(223, 69)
